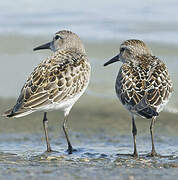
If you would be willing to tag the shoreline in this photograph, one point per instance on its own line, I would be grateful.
(89, 114)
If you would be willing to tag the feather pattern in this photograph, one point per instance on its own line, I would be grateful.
(144, 86)
(58, 78)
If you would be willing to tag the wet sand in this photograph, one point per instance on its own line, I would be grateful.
(100, 131)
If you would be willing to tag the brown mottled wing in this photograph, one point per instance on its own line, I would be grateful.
(56, 79)
(144, 89)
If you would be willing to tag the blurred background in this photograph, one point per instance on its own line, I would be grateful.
(102, 25)
(98, 119)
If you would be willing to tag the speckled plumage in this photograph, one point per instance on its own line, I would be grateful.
(55, 80)
(58, 81)
(144, 86)
(143, 83)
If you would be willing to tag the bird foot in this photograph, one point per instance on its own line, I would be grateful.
(70, 150)
(153, 154)
(135, 155)
(49, 150)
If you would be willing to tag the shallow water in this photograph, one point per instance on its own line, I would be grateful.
(88, 163)
(100, 132)
(57, 166)
(24, 158)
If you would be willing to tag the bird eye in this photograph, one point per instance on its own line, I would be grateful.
(57, 37)
(122, 49)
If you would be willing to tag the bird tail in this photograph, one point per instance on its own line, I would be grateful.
(8, 113)
(148, 112)
(22, 112)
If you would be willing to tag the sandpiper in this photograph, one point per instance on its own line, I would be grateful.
(57, 82)
(143, 84)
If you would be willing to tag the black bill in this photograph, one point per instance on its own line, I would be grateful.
(114, 59)
(44, 46)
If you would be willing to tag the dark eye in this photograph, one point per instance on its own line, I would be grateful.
(122, 49)
(56, 37)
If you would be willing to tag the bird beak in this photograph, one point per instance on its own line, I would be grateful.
(114, 59)
(44, 46)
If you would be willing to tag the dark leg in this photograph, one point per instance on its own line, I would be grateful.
(153, 152)
(134, 132)
(45, 126)
(70, 149)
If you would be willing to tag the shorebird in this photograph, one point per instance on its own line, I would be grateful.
(57, 82)
(143, 84)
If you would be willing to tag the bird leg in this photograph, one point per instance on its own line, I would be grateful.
(70, 149)
(45, 126)
(153, 151)
(134, 132)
